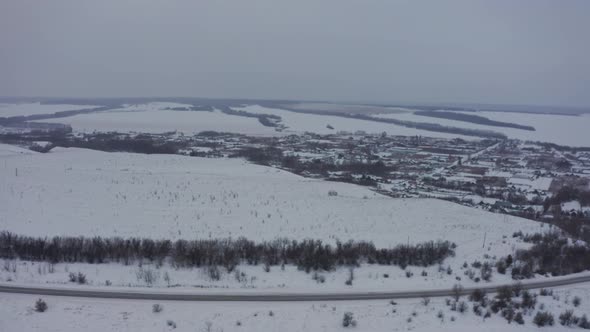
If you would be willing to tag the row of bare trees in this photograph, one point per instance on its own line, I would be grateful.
(306, 254)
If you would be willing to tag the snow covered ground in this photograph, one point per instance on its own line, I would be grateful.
(559, 129)
(85, 192)
(154, 118)
(80, 314)
(24, 109)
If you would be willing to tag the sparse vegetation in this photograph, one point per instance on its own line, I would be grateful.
(40, 306)
(543, 318)
(79, 277)
(348, 320)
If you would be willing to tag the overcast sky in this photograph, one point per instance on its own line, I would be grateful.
(517, 52)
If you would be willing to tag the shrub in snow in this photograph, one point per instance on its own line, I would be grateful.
(508, 314)
(409, 274)
(584, 323)
(567, 318)
(424, 273)
(79, 278)
(543, 318)
(350, 277)
(486, 271)
(518, 318)
(545, 292)
(332, 193)
(348, 320)
(157, 308)
(462, 307)
(40, 306)
(320, 279)
(214, 272)
(426, 301)
(577, 301)
(148, 276)
(501, 267)
(528, 300)
(440, 315)
(477, 309)
(171, 323)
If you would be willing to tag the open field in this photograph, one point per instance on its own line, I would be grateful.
(84, 192)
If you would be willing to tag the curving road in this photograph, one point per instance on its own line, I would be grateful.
(345, 296)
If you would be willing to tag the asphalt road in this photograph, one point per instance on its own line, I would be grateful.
(265, 297)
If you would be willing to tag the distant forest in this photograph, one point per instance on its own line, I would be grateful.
(477, 119)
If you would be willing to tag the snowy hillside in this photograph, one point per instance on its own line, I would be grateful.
(85, 192)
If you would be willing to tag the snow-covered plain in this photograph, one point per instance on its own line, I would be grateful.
(25, 109)
(79, 314)
(85, 192)
(155, 118)
(559, 129)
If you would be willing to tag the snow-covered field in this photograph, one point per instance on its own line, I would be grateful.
(85, 192)
(559, 129)
(154, 118)
(79, 314)
(24, 109)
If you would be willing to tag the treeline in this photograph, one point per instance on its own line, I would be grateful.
(115, 143)
(268, 120)
(567, 194)
(307, 254)
(477, 119)
(551, 253)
